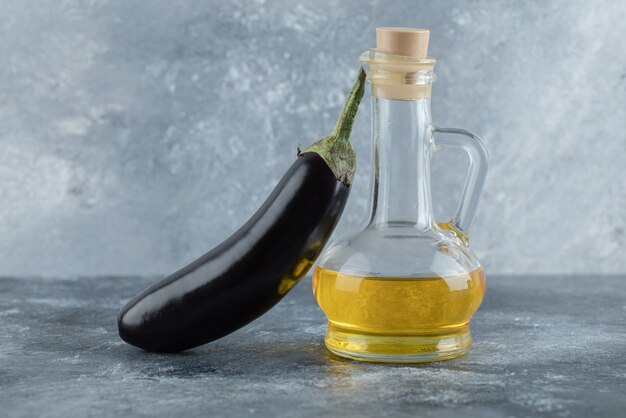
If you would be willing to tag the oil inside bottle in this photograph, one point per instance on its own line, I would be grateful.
(405, 318)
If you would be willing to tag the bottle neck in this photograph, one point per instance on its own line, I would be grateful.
(402, 143)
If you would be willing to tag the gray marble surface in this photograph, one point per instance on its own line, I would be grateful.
(135, 135)
(544, 346)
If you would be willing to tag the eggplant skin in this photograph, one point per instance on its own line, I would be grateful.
(242, 278)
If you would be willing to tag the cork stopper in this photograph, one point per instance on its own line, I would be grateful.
(403, 41)
(399, 66)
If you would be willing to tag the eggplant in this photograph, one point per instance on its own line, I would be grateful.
(246, 275)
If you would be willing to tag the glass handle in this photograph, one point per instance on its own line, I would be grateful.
(479, 162)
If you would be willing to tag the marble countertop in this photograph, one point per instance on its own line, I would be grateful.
(543, 346)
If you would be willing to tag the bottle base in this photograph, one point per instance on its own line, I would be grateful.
(398, 348)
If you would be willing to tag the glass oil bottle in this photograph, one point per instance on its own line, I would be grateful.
(403, 288)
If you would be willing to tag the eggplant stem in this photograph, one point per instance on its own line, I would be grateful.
(336, 148)
(343, 128)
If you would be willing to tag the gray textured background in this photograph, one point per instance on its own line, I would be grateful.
(136, 135)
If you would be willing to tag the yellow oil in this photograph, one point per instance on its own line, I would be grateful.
(398, 319)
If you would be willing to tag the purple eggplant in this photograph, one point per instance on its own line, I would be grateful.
(246, 275)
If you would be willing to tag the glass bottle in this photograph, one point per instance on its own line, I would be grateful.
(403, 287)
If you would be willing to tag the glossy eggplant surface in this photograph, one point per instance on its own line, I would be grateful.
(247, 274)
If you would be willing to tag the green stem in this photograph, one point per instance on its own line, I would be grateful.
(351, 106)
(336, 149)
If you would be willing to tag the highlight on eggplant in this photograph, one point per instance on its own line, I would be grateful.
(246, 275)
